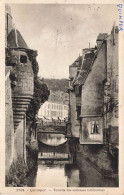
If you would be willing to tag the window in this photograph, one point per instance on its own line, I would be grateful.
(51, 113)
(48, 106)
(95, 127)
(78, 111)
(23, 59)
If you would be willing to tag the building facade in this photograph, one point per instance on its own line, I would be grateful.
(93, 92)
(19, 90)
(74, 101)
(111, 90)
(54, 108)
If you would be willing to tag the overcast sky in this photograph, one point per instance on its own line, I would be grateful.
(60, 32)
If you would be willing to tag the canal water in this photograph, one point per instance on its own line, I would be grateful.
(61, 165)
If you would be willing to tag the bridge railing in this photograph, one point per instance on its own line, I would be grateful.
(53, 155)
(55, 123)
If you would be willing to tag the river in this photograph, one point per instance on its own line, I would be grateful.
(60, 167)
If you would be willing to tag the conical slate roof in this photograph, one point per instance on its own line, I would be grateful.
(15, 40)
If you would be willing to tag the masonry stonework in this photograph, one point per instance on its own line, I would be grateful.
(19, 90)
(75, 125)
(9, 125)
(25, 83)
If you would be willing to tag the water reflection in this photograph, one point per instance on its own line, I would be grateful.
(53, 176)
(63, 166)
(52, 139)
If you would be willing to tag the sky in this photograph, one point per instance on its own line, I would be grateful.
(59, 32)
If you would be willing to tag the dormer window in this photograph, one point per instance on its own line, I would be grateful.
(77, 63)
(23, 59)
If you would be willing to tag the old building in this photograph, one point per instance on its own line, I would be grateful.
(94, 93)
(111, 123)
(74, 101)
(54, 108)
(19, 88)
(92, 76)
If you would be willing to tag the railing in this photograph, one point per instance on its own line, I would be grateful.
(53, 155)
(55, 123)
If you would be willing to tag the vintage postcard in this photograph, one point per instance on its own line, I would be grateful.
(61, 97)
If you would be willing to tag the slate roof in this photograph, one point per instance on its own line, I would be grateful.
(87, 61)
(79, 59)
(15, 40)
(102, 36)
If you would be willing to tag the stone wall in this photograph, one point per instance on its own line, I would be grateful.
(20, 140)
(19, 89)
(75, 125)
(18, 98)
(92, 100)
(9, 126)
(25, 83)
(92, 90)
(112, 72)
(111, 91)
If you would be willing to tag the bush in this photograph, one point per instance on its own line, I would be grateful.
(41, 94)
(18, 174)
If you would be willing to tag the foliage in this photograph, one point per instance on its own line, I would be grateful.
(57, 84)
(18, 173)
(32, 57)
(32, 160)
(41, 92)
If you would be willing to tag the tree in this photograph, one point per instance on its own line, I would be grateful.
(41, 92)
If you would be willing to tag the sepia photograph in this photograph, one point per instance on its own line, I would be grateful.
(62, 95)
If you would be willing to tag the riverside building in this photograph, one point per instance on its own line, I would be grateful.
(54, 108)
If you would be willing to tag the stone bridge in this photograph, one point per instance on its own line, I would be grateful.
(51, 127)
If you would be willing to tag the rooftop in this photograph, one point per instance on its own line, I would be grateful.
(15, 40)
(87, 61)
(102, 36)
(77, 62)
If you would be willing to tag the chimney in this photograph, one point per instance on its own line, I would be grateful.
(83, 54)
(114, 33)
